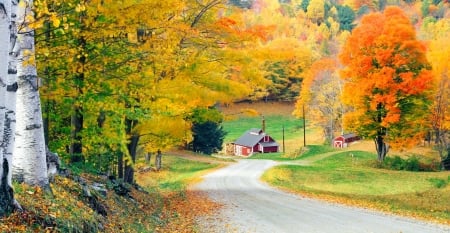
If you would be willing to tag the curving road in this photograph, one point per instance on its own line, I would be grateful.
(252, 206)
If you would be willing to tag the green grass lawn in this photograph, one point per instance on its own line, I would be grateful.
(350, 177)
(296, 155)
(175, 175)
(274, 127)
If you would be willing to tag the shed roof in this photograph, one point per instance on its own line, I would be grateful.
(349, 135)
(250, 138)
(269, 144)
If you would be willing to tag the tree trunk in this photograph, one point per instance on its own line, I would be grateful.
(380, 145)
(29, 164)
(77, 118)
(120, 165)
(132, 148)
(382, 148)
(158, 160)
(129, 168)
(6, 191)
(6, 115)
(76, 147)
(148, 158)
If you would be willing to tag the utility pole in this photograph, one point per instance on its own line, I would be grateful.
(284, 146)
(304, 127)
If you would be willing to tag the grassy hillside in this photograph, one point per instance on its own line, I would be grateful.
(274, 127)
(350, 177)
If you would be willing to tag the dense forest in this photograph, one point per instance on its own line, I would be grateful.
(115, 79)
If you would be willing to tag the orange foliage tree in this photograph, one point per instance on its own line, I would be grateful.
(388, 81)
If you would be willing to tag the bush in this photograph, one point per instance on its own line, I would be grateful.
(410, 164)
(395, 163)
(438, 183)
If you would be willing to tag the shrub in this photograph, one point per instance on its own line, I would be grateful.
(395, 163)
(438, 183)
(410, 164)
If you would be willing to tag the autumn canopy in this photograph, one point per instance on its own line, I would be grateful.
(387, 79)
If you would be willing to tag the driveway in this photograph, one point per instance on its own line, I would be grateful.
(252, 206)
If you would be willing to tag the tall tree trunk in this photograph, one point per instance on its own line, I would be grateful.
(29, 164)
(129, 168)
(120, 165)
(382, 148)
(6, 191)
(380, 144)
(148, 158)
(132, 148)
(158, 160)
(76, 147)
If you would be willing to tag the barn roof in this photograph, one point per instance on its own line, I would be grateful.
(269, 144)
(250, 138)
(349, 135)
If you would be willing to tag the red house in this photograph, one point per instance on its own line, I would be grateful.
(345, 139)
(255, 141)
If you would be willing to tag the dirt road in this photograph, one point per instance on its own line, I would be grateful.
(252, 206)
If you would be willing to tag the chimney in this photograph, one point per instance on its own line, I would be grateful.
(263, 124)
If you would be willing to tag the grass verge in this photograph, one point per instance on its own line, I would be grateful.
(348, 178)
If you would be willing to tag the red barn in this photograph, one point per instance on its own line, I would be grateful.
(255, 141)
(345, 139)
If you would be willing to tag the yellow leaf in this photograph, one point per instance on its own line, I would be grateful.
(56, 22)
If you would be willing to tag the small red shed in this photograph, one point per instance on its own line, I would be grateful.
(345, 139)
(255, 141)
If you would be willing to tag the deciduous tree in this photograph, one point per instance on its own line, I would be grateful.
(320, 93)
(6, 191)
(388, 80)
(438, 55)
(29, 163)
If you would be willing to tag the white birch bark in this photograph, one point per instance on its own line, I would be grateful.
(8, 87)
(29, 164)
(11, 89)
(4, 46)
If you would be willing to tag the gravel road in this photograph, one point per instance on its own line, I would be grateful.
(252, 206)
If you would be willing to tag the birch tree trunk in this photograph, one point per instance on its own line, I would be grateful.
(29, 164)
(4, 49)
(8, 87)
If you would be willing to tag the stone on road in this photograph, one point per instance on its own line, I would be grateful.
(252, 206)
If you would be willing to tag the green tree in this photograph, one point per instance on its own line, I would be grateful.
(304, 5)
(208, 137)
(207, 130)
(346, 17)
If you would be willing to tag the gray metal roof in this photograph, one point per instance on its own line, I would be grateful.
(349, 135)
(269, 144)
(250, 138)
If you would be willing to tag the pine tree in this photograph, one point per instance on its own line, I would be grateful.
(207, 130)
(208, 137)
